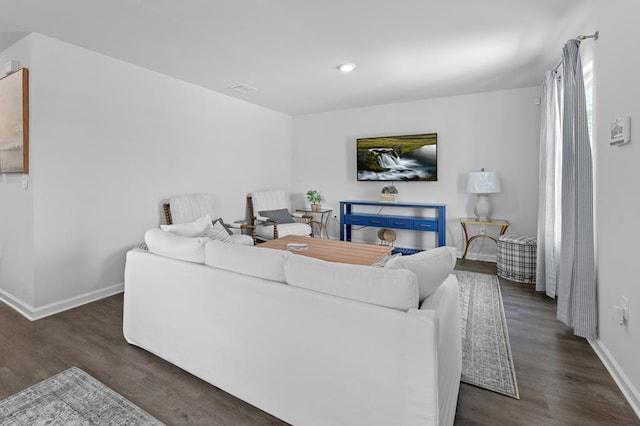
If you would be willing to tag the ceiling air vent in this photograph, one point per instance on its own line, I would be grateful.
(245, 89)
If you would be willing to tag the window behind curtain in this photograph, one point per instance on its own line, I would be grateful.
(588, 92)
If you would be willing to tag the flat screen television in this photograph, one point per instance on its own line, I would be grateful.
(398, 158)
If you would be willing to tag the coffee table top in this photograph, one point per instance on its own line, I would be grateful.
(333, 250)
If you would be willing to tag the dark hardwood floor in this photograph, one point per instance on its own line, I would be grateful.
(561, 380)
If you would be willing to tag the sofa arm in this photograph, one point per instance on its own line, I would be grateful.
(266, 221)
(445, 305)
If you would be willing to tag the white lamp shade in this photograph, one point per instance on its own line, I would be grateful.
(483, 183)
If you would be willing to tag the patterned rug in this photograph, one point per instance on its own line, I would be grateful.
(486, 352)
(71, 398)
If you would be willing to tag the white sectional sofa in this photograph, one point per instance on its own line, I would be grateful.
(259, 324)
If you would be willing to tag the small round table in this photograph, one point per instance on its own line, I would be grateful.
(322, 221)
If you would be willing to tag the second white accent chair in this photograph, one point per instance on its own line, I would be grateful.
(270, 212)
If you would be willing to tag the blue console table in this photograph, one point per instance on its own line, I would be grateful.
(349, 218)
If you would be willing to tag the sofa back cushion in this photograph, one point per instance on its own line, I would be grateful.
(249, 260)
(392, 288)
(175, 246)
(431, 267)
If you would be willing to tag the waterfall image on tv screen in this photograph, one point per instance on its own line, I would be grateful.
(396, 158)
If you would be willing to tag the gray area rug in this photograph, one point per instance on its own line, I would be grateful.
(71, 398)
(486, 353)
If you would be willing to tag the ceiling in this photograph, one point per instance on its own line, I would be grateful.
(404, 50)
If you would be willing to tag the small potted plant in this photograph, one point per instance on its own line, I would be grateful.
(315, 198)
(389, 194)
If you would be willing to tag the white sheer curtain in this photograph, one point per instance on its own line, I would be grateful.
(572, 280)
(550, 175)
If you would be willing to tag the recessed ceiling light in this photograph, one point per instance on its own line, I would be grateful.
(347, 67)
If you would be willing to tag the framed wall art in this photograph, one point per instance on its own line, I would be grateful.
(14, 122)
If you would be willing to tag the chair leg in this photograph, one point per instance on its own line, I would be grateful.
(167, 213)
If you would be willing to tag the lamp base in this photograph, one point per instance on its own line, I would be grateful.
(483, 208)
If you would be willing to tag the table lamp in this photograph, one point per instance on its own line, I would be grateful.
(483, 183)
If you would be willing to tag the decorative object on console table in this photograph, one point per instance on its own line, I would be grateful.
(315, 198)
(437, 224)
(389, 194)
(483, 183)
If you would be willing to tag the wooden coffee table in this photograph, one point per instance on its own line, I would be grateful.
(333, 250)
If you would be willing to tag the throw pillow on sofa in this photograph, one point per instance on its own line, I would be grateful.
(431, 267)
(256, 261)
(397, 289)
(226, 227)
(197, 228)
(218, 232)
(175, 246)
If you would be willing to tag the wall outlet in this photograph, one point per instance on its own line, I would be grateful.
(625, 307)
(618, 315)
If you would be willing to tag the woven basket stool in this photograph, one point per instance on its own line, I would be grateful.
(517, 258)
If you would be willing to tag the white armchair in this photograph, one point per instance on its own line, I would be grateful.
(188, 208)
(270, 212)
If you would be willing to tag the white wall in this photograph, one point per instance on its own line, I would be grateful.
(16, 218)
(616, 71)
(110, 141)
(497, 130)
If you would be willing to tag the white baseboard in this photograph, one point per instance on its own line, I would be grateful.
(18, 305)
(628, 389)
(32, 314)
